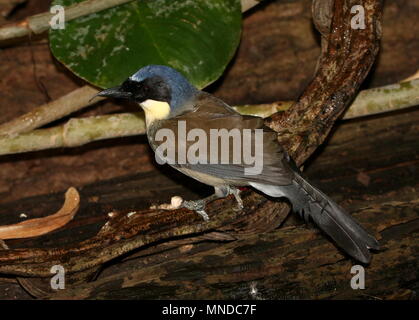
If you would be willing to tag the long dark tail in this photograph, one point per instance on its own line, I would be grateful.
(329, 216)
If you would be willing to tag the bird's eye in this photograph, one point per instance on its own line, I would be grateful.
(146, 88)
(129, 86)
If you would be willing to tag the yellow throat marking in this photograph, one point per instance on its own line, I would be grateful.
(155, 110)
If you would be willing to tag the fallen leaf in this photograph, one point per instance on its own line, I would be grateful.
(39, 226)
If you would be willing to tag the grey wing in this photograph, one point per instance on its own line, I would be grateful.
(267, 169)
(270, 162)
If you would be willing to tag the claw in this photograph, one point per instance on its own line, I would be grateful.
(236, 193)
(203, 214)
(194, 205)
(198, 206)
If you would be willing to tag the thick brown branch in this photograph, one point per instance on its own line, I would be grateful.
(124, 233)
(292, 262)
(346, 59)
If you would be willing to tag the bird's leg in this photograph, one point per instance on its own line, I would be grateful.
(236, 193)
(199, 205)
(220, 192)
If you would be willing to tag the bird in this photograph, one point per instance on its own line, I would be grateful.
(170, 101)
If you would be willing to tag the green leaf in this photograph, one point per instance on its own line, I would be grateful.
(196, 37)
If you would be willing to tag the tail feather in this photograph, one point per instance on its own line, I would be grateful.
(328, 216)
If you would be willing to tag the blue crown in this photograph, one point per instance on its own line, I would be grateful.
(181, 90)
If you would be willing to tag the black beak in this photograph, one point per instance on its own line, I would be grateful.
(115, 92)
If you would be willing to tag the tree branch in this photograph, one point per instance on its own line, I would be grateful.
(346, 58)
(287, 263)
(76, 132)
(39, 23)
(79, 131)
(49, 112)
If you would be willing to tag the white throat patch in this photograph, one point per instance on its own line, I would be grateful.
(155, 110)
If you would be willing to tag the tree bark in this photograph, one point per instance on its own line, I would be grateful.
(288, 263)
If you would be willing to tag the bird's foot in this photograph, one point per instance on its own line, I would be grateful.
(198, 206)
(236, 193)
(220, 192)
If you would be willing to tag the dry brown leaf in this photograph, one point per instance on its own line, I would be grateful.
(40, 226)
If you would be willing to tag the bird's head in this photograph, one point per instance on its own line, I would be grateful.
(160, 90)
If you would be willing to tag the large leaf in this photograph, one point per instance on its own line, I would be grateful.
(196, 37)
